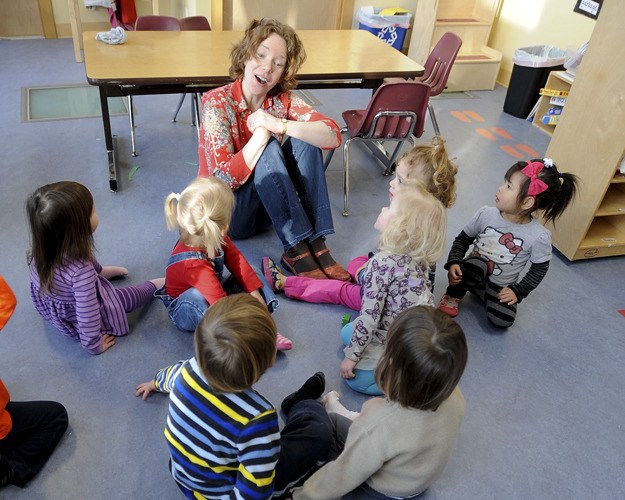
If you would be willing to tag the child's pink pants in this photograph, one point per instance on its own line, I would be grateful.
(343, 293)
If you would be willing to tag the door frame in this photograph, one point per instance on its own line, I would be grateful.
(46, 14)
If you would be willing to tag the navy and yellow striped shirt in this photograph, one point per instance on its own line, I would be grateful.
(222, 445)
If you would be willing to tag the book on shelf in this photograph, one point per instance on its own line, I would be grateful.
(554, 92)
(551, 119)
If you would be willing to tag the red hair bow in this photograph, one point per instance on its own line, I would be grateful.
(536, 185)
(508, 240)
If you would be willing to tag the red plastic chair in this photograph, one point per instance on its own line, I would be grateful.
(396, 112)
(157, 23)
(192, 23)
(437, 68)
(149, 23)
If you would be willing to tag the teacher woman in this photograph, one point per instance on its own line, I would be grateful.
(265, 142)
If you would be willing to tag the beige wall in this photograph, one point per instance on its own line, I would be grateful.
(524, 23)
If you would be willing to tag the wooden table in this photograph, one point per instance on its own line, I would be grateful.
(162, 62)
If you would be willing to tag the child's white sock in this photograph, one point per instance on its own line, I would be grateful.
(333, 405)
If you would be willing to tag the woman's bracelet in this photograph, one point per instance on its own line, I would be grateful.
(284, 122)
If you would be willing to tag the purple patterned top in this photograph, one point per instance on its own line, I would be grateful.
(83, 305)
(391, 284)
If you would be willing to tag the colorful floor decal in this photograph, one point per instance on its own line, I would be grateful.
(485, 133)
(518, 151)
(512, 152)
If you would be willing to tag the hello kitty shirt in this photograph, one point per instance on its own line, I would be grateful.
(507, 246)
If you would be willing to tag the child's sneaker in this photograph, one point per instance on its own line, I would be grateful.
(449, 305)
(283, 343)
(273, 275)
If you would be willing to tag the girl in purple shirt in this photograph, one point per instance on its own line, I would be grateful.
(69, 288)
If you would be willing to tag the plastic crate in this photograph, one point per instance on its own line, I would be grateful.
(393, 35)
(389, 28)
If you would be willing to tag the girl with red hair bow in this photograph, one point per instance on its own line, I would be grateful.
(504, 238)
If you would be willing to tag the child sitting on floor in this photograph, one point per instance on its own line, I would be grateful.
(398, 445)
(29, 430)
(194, 279)
(69, 288)
(222, 435)
(412, 237)
(504, 238)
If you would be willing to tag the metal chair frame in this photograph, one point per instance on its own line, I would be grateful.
(396, 119)
(373, 144)
(152, 23)
(193, 23)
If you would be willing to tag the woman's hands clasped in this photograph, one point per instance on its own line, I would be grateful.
(262, 119)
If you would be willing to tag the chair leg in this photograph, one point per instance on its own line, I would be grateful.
(197, 98)
(178, 108)
(193, 110)
(346, 178)
(391, 162)
(326, 162)
(131, 116)
(433, 118)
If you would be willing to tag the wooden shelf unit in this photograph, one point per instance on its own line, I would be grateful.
(589, 142)
(557, 80)
(477, 65)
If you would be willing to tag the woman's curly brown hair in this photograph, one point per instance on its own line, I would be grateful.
(258, 31)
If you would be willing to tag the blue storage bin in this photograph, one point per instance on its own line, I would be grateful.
(390, 29)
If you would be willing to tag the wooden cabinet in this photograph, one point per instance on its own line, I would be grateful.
(589, 141)
(558, 80)
(477, 65)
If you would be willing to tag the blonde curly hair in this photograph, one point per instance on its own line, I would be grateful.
(437, 167)
(417, 225)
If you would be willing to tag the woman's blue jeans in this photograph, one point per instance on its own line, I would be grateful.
(364, 380)
(287, 189)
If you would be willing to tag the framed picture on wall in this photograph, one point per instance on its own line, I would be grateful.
(589, 8)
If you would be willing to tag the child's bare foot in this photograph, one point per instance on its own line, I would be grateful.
(113, 272)
(158, 283)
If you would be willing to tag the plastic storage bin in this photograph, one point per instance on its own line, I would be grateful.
(390, 28)
(532, 66)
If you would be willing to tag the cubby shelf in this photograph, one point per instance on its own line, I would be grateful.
(557, 80)
(589, 142)
(477, 65)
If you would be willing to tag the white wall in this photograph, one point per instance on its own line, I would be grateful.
(524, 23)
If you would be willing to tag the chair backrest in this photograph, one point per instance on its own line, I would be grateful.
(157, 23)
(400, 99)
(194, 23)
(439, 62)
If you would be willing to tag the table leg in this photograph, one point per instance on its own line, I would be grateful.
(108, 138)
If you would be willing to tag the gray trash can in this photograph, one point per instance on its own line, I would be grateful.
(532, 66)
